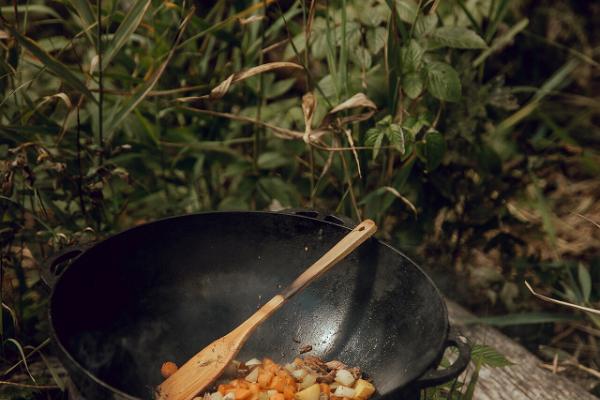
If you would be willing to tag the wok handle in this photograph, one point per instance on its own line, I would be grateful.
(322, 216)
(436, 377)
(55, 264)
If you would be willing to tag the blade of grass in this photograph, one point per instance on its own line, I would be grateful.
(501, 41)
(521, 319)
(30, 8)
(32, 352)
(55, 376)
(23, 358)
(559, 78)
(470, 16)
(52, 64)
(146, 88)
(232, 19)
(495, 20)
(85, 11)
(132, 20)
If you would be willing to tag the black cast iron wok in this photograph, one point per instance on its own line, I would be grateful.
(164, 290)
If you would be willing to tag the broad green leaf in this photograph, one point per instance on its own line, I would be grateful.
(233, 203)
(396, 136)
(272, 160)
(372, 15)
(433, 150)
(361, 57)
(275, 188)
(412, 84)
(522, 319)
(426, 24)
(407, 10)
(487, 356)
(279, 88)
(443, 82)
(125, 30)
(411, 56)
(52, 64)
(585, 282)
(374, 139)
(457, 37)
(376, 39)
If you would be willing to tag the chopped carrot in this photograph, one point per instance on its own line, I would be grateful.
(223, 388)
(168, 369)
(242, 394)
(298, 361)
(254, 396)
(325, 389)
(264, 379)
(278, 383)
(239, 383)
(272, 368)
(290, 381)
(288, 392)
(276, 396)
(254, 388)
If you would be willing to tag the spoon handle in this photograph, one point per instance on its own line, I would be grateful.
(351, 241)
(344, 247)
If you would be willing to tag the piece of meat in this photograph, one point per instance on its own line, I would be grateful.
(335, 364)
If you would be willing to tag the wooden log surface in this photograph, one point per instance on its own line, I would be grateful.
(525, 380)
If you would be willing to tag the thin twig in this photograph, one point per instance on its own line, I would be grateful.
(25, 385)
(560, 302)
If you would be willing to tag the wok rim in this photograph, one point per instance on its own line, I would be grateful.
(413, 377)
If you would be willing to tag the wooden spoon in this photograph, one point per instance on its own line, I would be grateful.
(206, 366)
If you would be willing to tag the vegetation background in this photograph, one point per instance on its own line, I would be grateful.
(468, 129)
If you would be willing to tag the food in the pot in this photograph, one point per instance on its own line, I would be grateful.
(304, 379)
(168, 369)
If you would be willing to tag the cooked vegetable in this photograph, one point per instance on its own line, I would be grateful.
(303, 379)
(308, 380)
(363, 389)
(252, 376)
(343, 391)
(168, 369)
(344, 377)
(253, 362)
(310, 393)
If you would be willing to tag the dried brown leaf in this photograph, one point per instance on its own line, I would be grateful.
(221, 89)
(404, 199)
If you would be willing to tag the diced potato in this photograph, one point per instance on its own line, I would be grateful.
(363, 389)
(252, 362)
(229, 396)
(252, 376)
(299, 373)
(310, 393)
(290, 367)
(308, 380)
(343, 391)
(344, 377)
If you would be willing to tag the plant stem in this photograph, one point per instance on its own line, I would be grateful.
(100, 84)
